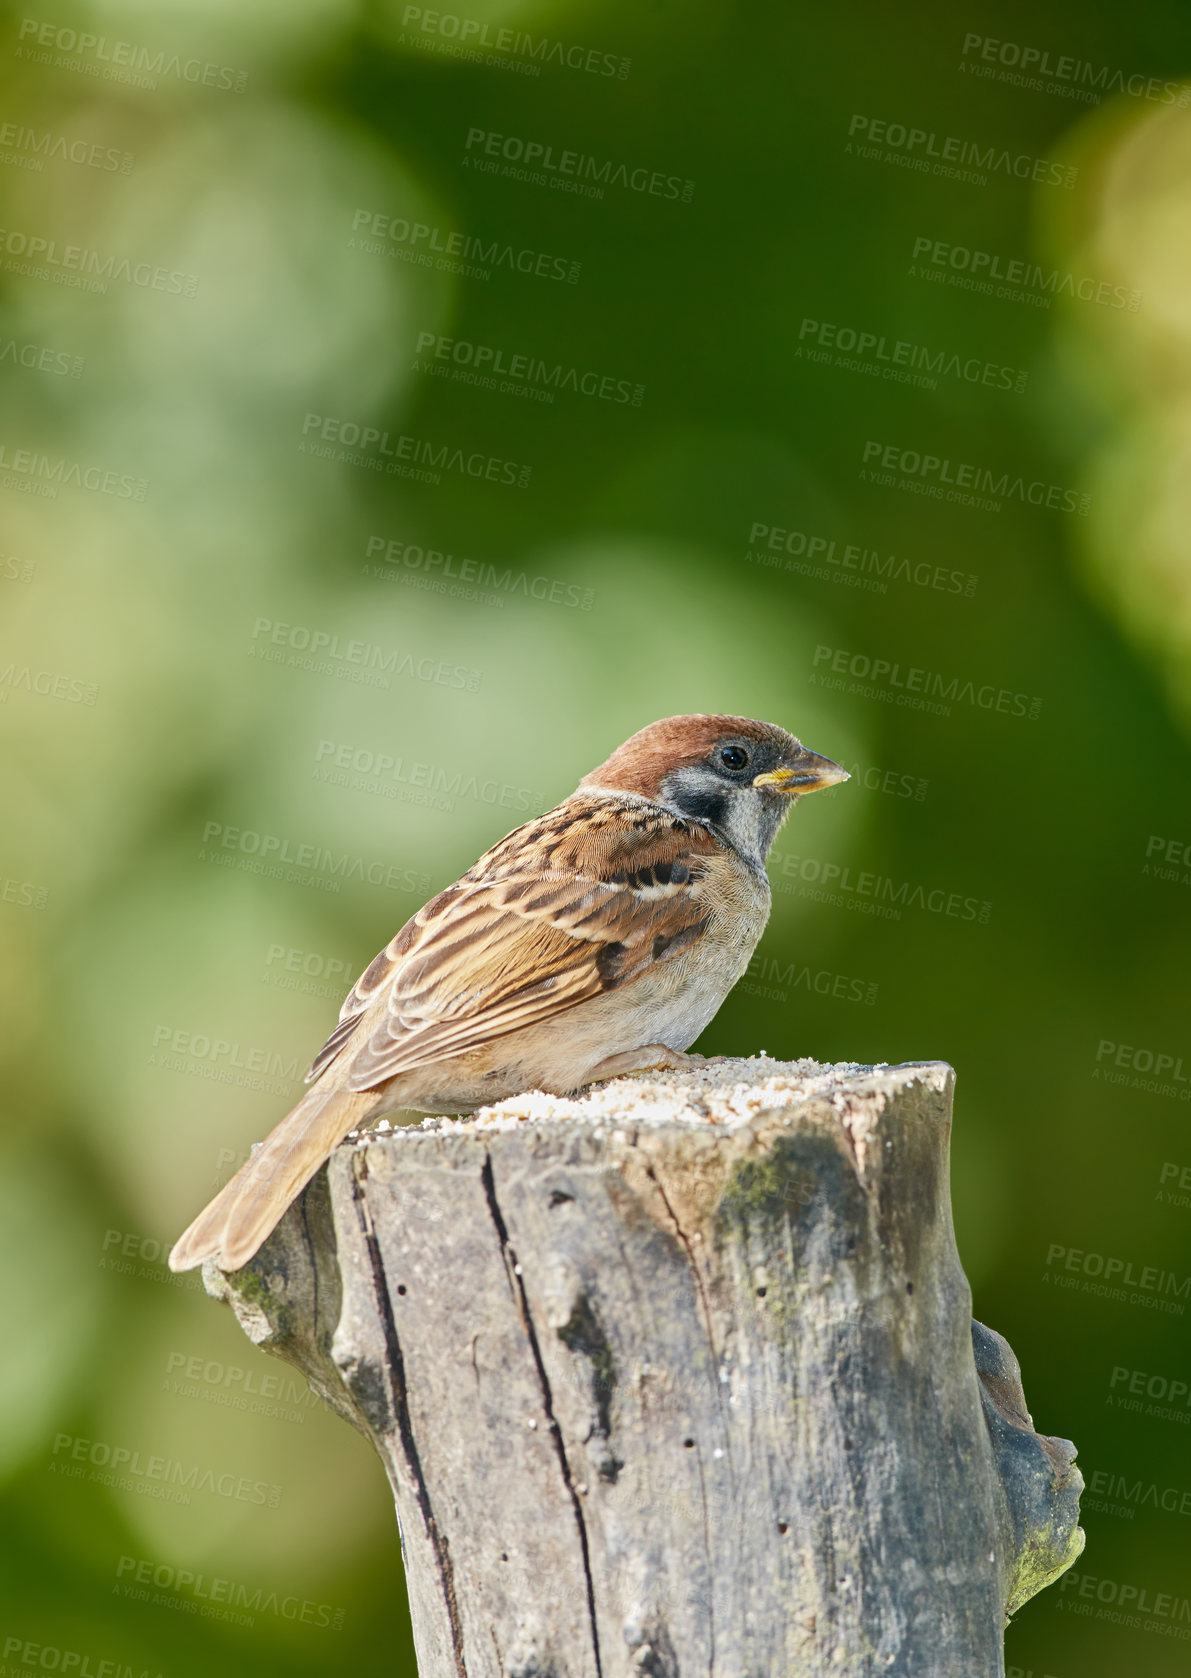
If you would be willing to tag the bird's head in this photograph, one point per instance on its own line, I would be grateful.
(734, 774)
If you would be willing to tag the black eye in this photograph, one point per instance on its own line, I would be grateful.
(733, 757)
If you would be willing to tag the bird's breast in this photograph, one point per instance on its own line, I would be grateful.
(681, 997)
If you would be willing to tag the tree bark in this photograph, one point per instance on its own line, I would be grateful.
(663, 1393)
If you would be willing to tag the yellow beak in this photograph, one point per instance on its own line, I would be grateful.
(811, 773)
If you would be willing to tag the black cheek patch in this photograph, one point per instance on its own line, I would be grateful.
(709, 806)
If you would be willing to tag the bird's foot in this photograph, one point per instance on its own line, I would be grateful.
(653, 1057)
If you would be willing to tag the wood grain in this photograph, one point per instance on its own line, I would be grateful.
(677, 1397)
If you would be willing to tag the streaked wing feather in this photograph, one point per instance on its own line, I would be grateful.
(509, 946)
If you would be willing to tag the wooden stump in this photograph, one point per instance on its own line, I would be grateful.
(680, 1378)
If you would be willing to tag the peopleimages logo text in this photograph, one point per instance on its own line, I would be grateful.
(484, 364)
(369, 446)
(41, 257)
(1125, 1604)
(52, 1657)
(913, 679)
(953, 155)
(33, 146)
(1017, 274)
(444, 570)
(210, 1590)
(537, 155)
(124, 1467)
(127, 61)
(1038, 61)
(899, 353)
(447, 248)
(936, 471)
(482, 38)
(47, 473)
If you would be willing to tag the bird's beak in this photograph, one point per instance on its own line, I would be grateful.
(811, 773)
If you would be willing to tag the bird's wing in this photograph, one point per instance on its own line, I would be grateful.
(570, 906)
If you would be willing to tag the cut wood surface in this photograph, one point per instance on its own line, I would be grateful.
(678, 1377)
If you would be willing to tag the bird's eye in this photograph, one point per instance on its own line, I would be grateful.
(733, 757)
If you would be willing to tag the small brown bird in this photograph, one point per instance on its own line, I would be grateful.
(594, 941)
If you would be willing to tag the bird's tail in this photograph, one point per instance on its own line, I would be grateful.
(251, 1205)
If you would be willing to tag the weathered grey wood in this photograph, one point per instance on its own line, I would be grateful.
(681, 1396)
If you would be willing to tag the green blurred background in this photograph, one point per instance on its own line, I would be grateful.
(209, 262)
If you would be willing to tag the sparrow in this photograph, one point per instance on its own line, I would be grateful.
(592, 942)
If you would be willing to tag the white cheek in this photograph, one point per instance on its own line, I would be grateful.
(744, 822)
